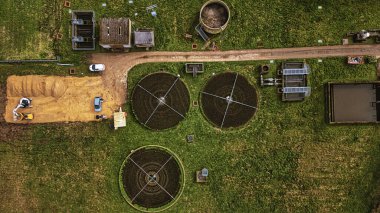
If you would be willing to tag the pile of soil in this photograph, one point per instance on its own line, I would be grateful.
(35, 86)
(156, 114)
(217, 107)
(58, 99)
(151, 177)
(214, 15)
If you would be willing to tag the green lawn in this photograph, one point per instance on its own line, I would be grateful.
(27, 27)
(287, 159)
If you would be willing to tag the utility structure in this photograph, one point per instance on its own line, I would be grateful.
(201, 175)
(363, 35)
(264, 69)
(115, 33)
(160, 101)
(270, 81)
(355, 60)
(83, 30)
(213, 18)
(194, 68)
(151, 178)
(355, 102)
(294, 81)
(229, 100)
(144, 38)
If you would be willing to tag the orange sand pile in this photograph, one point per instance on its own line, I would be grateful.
(58, 99)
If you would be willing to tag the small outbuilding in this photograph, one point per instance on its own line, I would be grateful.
(115, 33)
(119, 119)
(83, 30)
(144, 38)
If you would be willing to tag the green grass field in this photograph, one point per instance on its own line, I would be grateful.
(28, 27)
(287, 159)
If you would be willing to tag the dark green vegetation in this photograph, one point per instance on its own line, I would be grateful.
(286, 159)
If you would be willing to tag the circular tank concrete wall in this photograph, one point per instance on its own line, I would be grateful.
(214, 16)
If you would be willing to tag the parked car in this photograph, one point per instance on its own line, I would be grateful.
(97, 67)
(98, 104)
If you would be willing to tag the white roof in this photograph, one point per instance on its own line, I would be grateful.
(119, 119)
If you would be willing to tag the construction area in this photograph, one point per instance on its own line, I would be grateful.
(58, 99)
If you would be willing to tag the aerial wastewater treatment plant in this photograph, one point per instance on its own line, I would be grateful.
(189, 106)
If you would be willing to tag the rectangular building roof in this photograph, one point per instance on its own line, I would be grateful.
(83, 30)
(115, 32)
(144, 38)
(119, 119)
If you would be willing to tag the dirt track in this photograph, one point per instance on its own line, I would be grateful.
(118, 65)
(61, 99)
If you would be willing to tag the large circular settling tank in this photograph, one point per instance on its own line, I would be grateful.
(160, 101)
(151, 178)
(228, 100)
(214, 16)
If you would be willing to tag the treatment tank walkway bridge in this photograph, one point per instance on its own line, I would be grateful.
(118, 65)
